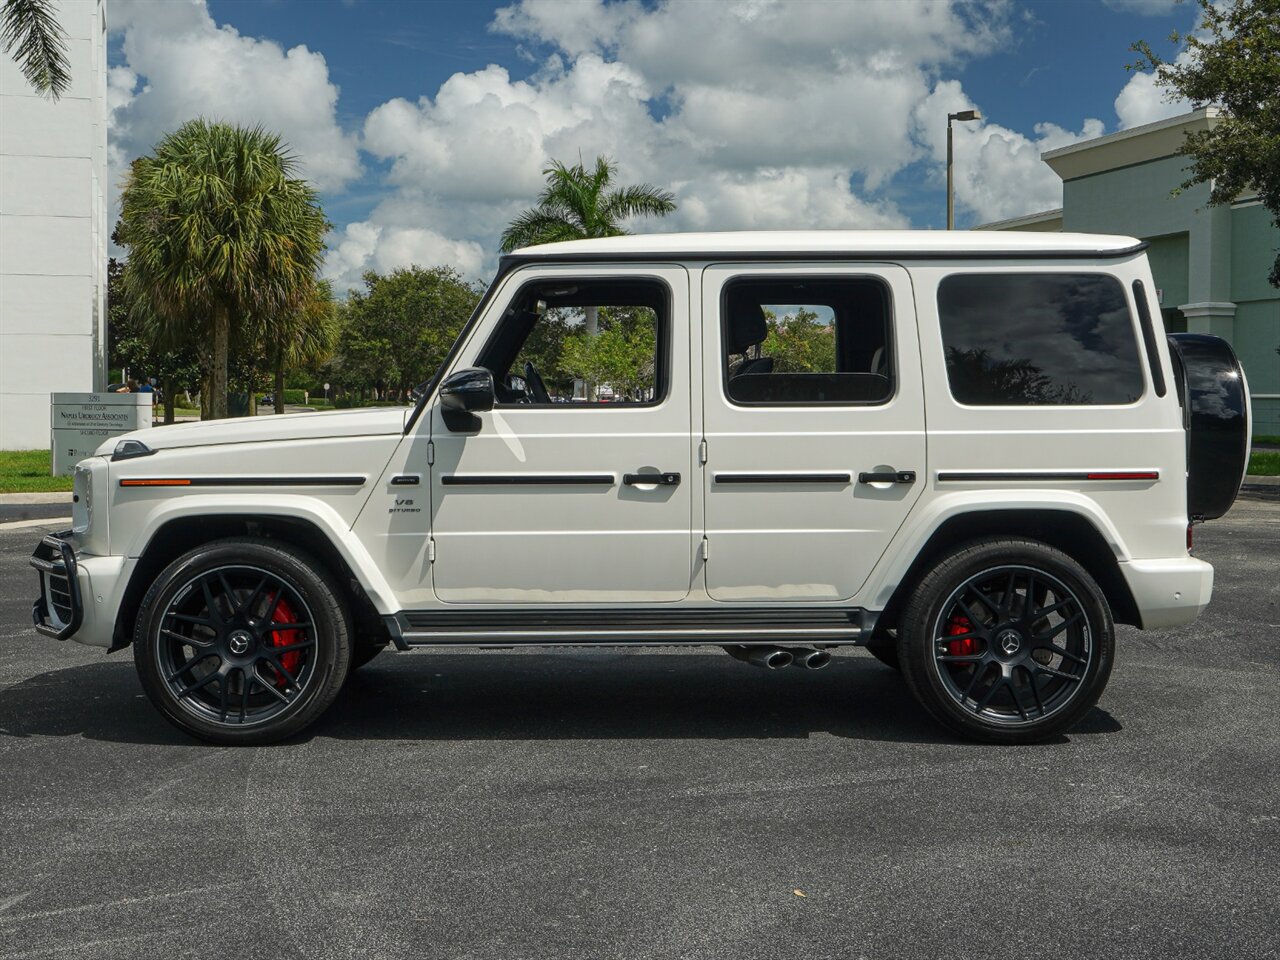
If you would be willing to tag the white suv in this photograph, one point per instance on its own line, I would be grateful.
(967, 452)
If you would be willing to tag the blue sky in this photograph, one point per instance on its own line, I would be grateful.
(425, 124)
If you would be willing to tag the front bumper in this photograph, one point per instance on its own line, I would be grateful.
(1169, 593)
(79, 593)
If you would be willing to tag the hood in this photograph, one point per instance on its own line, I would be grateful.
(367, 421)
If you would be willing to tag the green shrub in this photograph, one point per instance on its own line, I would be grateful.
(343, 403)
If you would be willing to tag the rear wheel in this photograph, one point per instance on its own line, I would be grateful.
(242, 641)
(1009, 641)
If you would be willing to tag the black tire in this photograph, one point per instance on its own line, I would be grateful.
(216, 647)
(1007, 604)
(885, 649)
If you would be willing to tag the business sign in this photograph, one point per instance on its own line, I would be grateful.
(82, 422)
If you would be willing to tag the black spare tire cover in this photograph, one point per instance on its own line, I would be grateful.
(1215, 411)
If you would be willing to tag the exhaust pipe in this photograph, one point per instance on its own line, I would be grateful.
(810, 659)
(771, 658)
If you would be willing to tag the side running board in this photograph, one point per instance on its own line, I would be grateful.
(638, 626)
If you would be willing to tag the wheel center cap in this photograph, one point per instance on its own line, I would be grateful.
(1009, 641)
(239, 642)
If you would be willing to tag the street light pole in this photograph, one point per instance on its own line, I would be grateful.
(962, 115)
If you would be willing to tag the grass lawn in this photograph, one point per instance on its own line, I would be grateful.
(27, 471)
(1265, 463)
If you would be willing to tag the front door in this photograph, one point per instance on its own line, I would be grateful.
(814, 421)
(577, 487)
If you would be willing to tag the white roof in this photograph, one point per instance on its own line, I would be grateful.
(855, 242)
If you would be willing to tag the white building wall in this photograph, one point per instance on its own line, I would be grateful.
(53, 232)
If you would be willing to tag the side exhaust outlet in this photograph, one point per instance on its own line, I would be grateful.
(771, 658)
(810, 659)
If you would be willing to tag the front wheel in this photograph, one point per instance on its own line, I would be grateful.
(1008, 641)
(242, 641)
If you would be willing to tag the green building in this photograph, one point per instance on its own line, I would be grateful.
(1210, 264)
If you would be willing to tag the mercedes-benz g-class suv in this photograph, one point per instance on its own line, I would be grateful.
(973, 453)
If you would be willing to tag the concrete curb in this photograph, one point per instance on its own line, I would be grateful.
(9, 499)
(34, 511)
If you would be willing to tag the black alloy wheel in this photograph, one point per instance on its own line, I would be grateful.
(1008, 641)
(242, 641)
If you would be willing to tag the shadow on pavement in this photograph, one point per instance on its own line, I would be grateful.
(502, 696)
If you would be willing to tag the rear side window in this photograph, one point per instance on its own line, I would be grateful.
(1024, 339)
(806, 341)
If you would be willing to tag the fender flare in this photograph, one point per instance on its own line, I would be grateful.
(305, 509)
(928, 520)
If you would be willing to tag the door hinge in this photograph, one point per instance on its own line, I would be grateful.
(431, 453)
(431, 550)
(702, 452)
(706, 549)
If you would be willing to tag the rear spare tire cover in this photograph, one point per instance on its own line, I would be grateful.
(1215, 406)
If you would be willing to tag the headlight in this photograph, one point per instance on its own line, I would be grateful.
(82, 499)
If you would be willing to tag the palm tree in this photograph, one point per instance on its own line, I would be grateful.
(41, 44)
(578, 205)
(305, 336)
(221, 236)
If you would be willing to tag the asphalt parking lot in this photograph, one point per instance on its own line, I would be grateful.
(673, 804)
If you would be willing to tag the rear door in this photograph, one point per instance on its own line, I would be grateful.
(814, 424)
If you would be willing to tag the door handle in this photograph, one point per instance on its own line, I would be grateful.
(889, 476)
(654, 479)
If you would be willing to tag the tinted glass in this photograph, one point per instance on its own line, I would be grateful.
(1038, 338)
(806, 341)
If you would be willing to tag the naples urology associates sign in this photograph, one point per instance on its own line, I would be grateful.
(82, 422)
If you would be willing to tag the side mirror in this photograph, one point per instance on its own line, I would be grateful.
(463, 395)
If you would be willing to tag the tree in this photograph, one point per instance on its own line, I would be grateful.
(397, 331)
(30, 31)
(304, 337)
(621, 354)
(577, 205)
(1233, 61)
(221, 235)
(799, 344)
(135, 341)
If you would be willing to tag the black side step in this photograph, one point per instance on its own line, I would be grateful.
(639, 626)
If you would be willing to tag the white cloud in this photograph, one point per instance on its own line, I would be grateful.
(179, 64)
(998, 172)
(1141, 101)
(756, 113)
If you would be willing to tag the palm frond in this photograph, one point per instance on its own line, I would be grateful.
(537, 226)
(30, 31)
(641, 200)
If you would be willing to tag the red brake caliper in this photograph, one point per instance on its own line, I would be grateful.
(957, 625)
(284, 638)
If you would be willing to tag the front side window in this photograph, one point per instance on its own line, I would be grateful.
(1024, 339)
(806, 341)
(587, 341)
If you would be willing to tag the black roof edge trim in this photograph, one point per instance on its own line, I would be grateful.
(511, 261)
